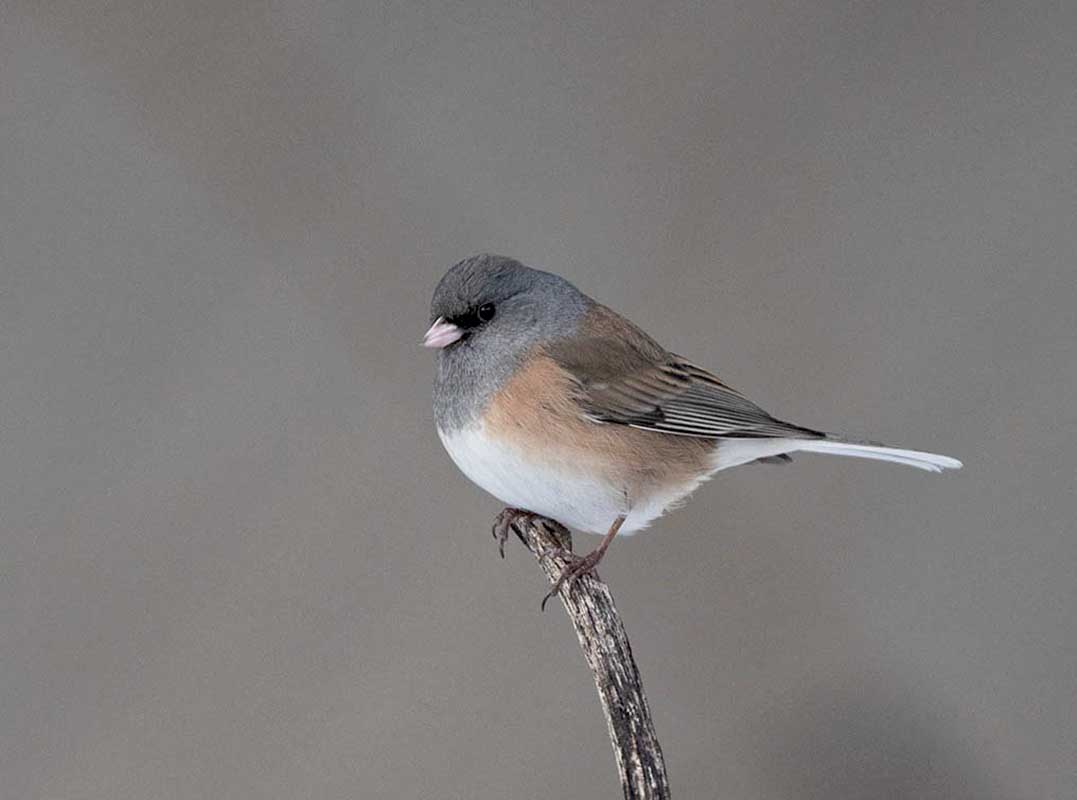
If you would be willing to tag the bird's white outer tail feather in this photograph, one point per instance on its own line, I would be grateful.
(931, 462)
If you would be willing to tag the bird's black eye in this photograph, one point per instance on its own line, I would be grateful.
(486, 312)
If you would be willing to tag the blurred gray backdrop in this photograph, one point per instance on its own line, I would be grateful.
(235, 562)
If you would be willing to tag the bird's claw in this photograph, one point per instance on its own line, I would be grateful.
(503, 523)
(577, 567)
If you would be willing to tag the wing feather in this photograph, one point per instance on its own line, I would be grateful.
(630, 380)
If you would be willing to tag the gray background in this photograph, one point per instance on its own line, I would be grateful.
(236, 562)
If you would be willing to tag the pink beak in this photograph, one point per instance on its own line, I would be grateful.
(441, 334)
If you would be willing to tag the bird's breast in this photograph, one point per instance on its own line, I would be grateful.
(532, 448)
(580, 498)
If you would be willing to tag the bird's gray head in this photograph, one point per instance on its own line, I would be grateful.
(495, 302)
(487, 312)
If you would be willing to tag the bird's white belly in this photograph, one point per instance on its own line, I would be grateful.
(556, 489)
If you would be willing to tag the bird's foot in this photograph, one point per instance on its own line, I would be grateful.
(505, 520)
(577, 567)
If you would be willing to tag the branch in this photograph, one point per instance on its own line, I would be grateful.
(609, 655)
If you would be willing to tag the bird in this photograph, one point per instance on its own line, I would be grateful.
(563, 409)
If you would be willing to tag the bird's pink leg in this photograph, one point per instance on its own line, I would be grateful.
(581, 565)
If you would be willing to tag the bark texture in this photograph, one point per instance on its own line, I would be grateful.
(608, 653)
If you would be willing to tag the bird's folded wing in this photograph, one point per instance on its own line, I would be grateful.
(623, 381)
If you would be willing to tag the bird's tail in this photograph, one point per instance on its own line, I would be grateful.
(930, 462)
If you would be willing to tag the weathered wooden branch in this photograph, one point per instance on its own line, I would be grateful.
(609, 655)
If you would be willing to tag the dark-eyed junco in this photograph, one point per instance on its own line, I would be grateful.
(560, 407)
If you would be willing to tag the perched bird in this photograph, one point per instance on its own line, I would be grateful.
(562, 408)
